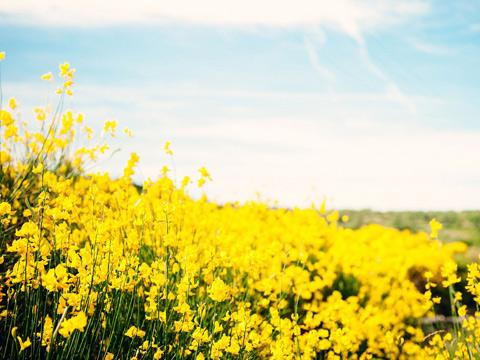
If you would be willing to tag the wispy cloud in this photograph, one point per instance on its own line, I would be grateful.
(322, 70)
(349, 16)
(432, 49)
(392, 90)
(475, 27)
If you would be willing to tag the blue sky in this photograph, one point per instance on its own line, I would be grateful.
(367, 103)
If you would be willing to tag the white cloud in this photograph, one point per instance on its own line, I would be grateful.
(392, 90)
(353, 158)
(299, 161)
(349, 16)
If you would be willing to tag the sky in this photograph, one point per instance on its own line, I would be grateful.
(367, 104)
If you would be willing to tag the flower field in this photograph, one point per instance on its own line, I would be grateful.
(95, 267)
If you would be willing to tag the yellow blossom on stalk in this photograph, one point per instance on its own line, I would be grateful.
(109, 356)
(133, 331)
(103, 148)
(167, 149)
(5, 208)
(162, 316)
(185, 181)
(4, 157)
(40, 113)
(12, 103)
(38, 169)
(23, 344)
(458, 297)
(11, 132)
(203, 171)
(204, 176)
(64, 68)
(165, 170)
(219, 291)
(47, 332)
(132, 162)
(158, 354)
(435, 227)
(109, 127)
(79, 119)
(47, 77)
(217, 327)
(2, 55)
(77, 322)
(6, 118)
(89, 132)
(449, 273)
(128, 132)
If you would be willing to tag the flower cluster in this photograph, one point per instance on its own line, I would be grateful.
(93, 267)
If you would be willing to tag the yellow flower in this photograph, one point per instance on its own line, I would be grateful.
(77, 322)
(47, 77)
(158, 354)
(204, 176)
(162, 316)
(167, 149)
(4, 157)
(41, 114)
(24, 344)
(12, 103)
(219, 291)
(2, 55)
(47, 331)
(64, 69)
(132, 162)
(110, 127)
(6, 118)
(128, 132)
(217, 327)
(449, 273)
(462, 311)
(165, 170)
(435, 227)
(133, 331)
(204, 173)
(324, 344)
(109, 356)
(5, 208)
(79, 119)
(38, 169)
